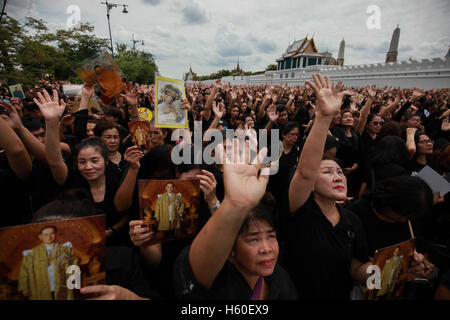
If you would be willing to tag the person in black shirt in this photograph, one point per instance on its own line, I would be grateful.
(288, 158)
(91, 157)
(241, 242)
(325, 246)
(387, 211)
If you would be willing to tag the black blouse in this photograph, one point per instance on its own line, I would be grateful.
(318, 256)
(229, 284)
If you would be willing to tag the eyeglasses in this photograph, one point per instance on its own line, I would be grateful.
(377, 123)
(426, 141)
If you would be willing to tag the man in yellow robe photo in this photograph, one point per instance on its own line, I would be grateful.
(169, 211)
(390, 273)
(43, 271)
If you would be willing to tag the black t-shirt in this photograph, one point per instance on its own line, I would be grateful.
(381, 234)
(278, 183)
(106, 207)
(348, 151)
(229, 284)
(318, 256)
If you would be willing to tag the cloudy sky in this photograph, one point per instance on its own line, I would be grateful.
(210, 35)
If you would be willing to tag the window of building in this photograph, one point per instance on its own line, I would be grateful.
(286, 75)
(288, 63)
(312, 61)
(304, 62)
(281, 76)
(292, 74)
(319, 61)
(282, 65)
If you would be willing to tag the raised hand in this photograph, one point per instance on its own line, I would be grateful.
(272, 113)
(14, 118)
(88, 91)
(329, 98)
(140, 235)
(132, 155)
(50, 108)
(218, 109)
(208, 185)
(130, 96)
(185, 105)
(244, 185)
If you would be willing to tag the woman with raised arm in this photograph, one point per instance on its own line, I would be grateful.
(91, 158)
(235, 254)
(326, 246)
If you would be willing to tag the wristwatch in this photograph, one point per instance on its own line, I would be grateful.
(216, 206)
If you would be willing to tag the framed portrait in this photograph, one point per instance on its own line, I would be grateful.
(168, 112)
(393, 262)
(52, 260)
(169, 208)
(102, 70)
(140, 134)
(17, 91)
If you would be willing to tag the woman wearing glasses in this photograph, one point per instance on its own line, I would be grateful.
(422, 150)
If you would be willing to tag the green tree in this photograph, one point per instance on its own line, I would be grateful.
(136, 65)
(29, 51)
(271, 67)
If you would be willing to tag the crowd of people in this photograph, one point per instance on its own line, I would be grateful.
(345, 186)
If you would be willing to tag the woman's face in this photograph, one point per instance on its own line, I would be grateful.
(331, 182)
(256, 251)
(91, 163)
(347, 119)
(292, 136)
(374, 126)
(111, 139)
(234, 112)
(243, 107)
(168, 99)
(424, 145)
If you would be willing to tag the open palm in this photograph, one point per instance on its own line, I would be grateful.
(50, 108)
(243, 186)
(329, 98)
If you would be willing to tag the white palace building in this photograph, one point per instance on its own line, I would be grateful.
(302, 59)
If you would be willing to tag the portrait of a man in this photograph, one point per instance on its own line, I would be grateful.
(43, 269)
(390, 273)
(169, 210)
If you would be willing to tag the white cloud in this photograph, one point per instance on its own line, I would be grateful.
(211, 34)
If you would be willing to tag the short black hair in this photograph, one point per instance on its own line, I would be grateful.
(46, 227)
(266, 210)
(95, 143)
(406, 195)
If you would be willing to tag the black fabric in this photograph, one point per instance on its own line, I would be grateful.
(124, 268)
(278, 183)
(14, 196)
(229, 284)
(318, 256)
(375, 174)
(381, 234)
(112, 216)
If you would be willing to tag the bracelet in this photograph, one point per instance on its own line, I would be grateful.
(216, 206)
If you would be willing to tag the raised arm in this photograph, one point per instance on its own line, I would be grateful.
(33, 145)
(52, 110)
(329, 100)
(124, 195)
(16, 153)
(209, 101)
(410, 143)
(365, 111)
(243, 191)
